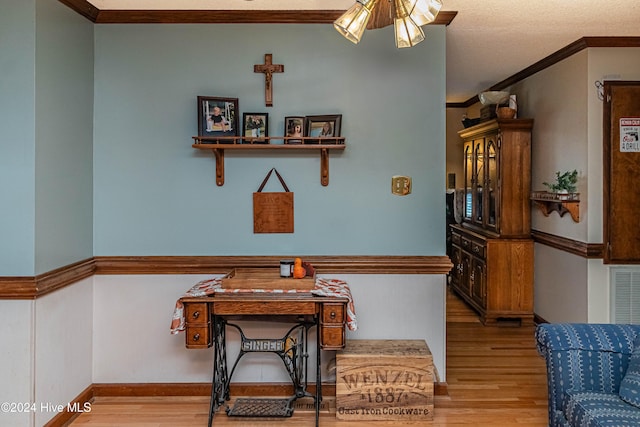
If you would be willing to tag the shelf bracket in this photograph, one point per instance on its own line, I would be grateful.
(219, 153)
(562, 207)
(324, 167)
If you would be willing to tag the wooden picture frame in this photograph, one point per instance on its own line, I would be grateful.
(322, 126)
(217, 116)
(294, 127)
(255, 128)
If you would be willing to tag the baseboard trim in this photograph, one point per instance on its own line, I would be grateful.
(66, 416)
(187, 389)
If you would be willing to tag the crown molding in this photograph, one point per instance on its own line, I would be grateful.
(554, 58)
(110, 16)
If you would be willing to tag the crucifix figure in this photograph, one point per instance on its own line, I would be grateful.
(268, 68)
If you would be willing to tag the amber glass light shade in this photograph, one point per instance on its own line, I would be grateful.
(354, 21)
(422, 12)
(407, 32)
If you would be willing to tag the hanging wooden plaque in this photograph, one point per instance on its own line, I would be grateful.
(273, 212)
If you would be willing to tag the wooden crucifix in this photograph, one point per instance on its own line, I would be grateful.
(268, 68)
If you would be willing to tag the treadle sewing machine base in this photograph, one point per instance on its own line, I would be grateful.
(207, 320)
(292, 350)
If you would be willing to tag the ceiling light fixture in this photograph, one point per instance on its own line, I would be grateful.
(406, 15)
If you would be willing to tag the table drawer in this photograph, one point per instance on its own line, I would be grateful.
(198, 336)
(196, 313)
(222, 307)
(332, 337)
(332, 313)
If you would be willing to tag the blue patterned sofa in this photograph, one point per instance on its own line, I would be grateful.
(593, 373)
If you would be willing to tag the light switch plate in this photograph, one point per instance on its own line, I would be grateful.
(400, 185)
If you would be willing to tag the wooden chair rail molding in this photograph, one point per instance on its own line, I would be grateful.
(582, 249)
(37, 286)
(223, 264)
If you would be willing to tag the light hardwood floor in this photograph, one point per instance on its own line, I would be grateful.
(495, 379)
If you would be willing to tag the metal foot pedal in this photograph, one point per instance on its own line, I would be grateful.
(274, 408)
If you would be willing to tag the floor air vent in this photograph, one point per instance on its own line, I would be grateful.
(625, 298)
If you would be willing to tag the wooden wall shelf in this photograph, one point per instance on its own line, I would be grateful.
(561, 203)
(219, 144)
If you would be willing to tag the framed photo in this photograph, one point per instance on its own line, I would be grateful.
(255, 125)
(323, 126)
(293, 127)
(217, 116)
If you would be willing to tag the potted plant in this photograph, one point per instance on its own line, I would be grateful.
(565, 182)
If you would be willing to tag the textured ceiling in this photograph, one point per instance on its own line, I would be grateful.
(487, 42)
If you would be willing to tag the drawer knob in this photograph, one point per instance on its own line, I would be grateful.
(196, 314)
(332, 314)
(196, 337)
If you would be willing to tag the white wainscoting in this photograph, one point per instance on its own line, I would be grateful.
(132, 314)
(115, 329)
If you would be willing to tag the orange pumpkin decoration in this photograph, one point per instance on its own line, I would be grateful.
(298, 270)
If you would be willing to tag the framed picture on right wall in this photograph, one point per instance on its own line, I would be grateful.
(326, 126)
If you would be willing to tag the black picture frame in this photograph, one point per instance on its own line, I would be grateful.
(294, 127)
(211, 107)
(322, 126)
(255, 128)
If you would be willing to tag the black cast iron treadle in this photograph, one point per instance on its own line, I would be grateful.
(250, 407)
(293, 352)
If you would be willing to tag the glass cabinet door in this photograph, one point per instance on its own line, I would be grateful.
(479, 179)
(492, 188)
(468, 181)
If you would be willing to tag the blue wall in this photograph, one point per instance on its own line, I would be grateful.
(64, 137)
(46, 131)
(156, 195)
(17, 137)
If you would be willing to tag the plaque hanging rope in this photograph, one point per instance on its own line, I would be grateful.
(273, 212)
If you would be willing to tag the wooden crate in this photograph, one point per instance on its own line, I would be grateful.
(265, 278)
(384, 380)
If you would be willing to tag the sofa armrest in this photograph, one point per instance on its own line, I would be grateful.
(584, 357)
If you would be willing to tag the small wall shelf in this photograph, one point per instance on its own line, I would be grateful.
(561, 203)
(219, 144)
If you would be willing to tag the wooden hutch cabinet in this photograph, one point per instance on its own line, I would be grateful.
(492, 250)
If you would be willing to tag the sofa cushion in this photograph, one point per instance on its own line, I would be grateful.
(592, 409)
(630, 385)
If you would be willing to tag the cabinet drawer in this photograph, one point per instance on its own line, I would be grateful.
(333, 313)
(477, 249)
(331, 337)
(455, 238)
(198, 336)
(466, 243)
(196, 313)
